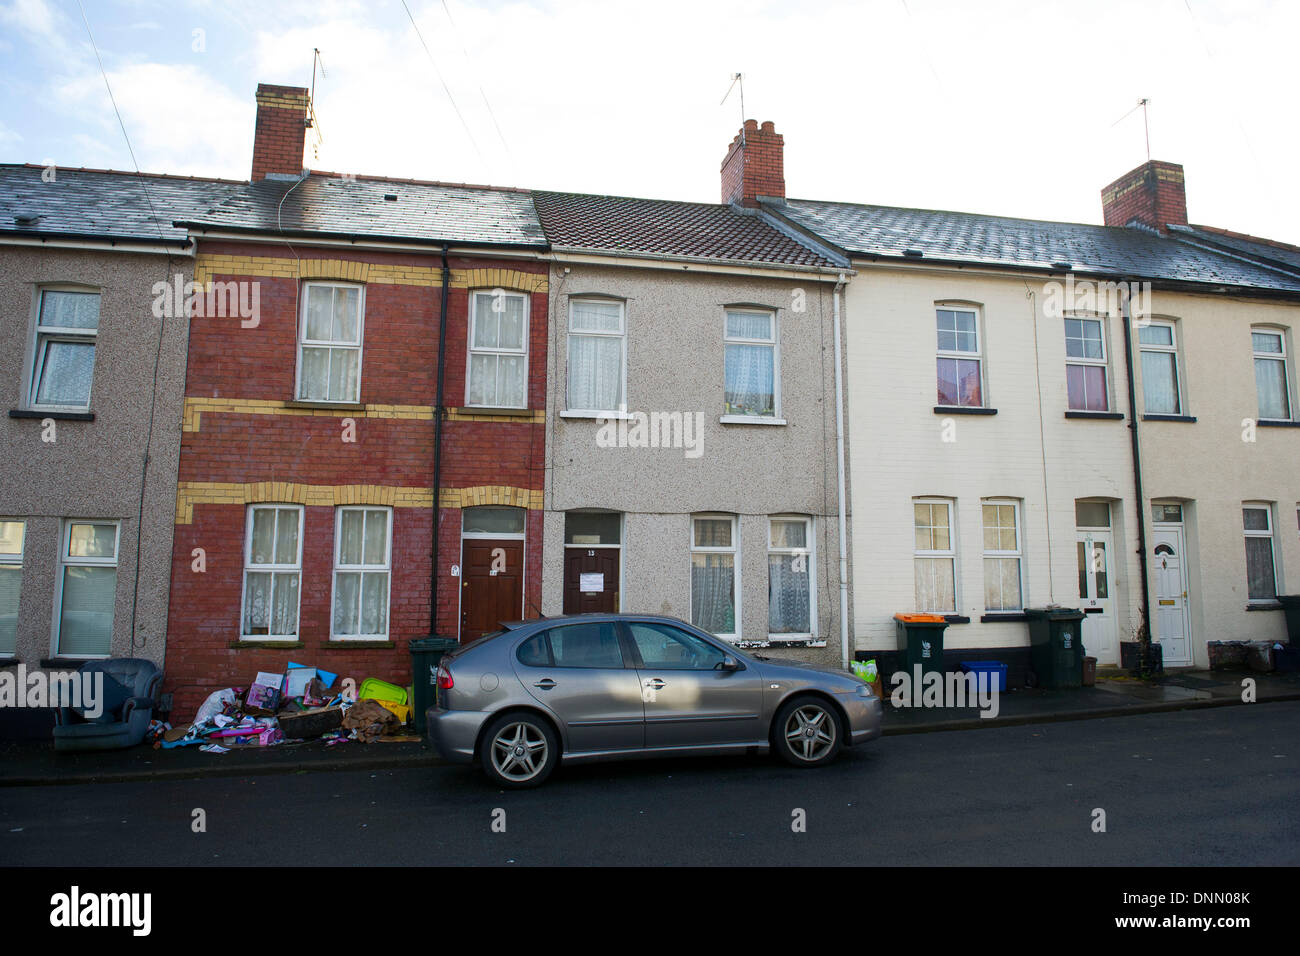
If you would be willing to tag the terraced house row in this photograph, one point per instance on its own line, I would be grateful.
(312, 417)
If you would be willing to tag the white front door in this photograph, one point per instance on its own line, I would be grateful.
(1096, 586)
(1171, 623)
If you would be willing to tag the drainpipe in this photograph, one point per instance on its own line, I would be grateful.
(437, 443)
(839, 467)
(1126, 314)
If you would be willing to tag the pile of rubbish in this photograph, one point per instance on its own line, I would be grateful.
(303, 703)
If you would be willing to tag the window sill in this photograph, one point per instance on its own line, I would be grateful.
(9, 661)
(995, 617)
(618, 416)
(278, 645)
(63, 663)
(956, 618)
(1100, 416)
(750, 420)
(354, 644)
(505, 411)
(1265, 606)
(1169, 418)
(62, 416)
(964, 410)
(778, 641)
(341, 406)
(1276, 423)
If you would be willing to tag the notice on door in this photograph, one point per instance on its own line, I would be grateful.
(591, 583)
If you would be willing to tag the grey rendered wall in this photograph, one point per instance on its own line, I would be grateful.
(93, 469)
(674, 326)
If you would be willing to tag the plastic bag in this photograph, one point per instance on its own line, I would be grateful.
(214, 705)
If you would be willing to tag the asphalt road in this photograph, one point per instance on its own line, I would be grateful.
(1213, 787)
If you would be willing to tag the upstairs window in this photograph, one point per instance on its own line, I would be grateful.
(1158, 343)
(1085, 365)
(597, 356)
(498, 350)
(751, 364)
(63, 361)
(329, 343)
(1271, 378)
(960, 366)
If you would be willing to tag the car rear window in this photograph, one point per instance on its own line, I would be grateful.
(592, 644)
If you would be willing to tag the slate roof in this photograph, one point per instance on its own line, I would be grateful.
(1280, 254)
(328, 204)
(104, 203)
(666, 228)
(889, 232)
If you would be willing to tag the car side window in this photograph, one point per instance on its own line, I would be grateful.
(665, 647)
(585, 645)
(534, 652)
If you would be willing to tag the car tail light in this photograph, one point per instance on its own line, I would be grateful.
(445, 681)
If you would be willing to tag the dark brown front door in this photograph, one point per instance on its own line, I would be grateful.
(600, 565)
(492, 585)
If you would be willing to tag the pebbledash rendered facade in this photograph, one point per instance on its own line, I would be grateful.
(418, 408)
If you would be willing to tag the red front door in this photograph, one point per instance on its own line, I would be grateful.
(492, 585)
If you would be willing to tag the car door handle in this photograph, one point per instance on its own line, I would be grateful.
(545, 683)
(656, 683)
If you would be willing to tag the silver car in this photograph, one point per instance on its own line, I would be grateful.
(601, 686)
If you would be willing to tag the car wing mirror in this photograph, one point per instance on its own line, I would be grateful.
(729, 663)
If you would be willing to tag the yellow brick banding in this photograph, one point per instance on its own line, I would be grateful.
(194, 408)
(208, 265)
(296, 101)
(191, 493)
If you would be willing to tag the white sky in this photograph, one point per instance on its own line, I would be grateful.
(997, 106)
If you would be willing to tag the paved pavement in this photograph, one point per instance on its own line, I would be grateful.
(1205, 787)
(30, 763)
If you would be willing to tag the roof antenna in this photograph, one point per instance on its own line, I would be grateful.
(735, 79)
(311, 103)
(1146, 125)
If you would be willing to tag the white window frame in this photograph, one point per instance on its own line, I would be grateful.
(1267, 508)
(1001, 555)
(65, 562)
(42, 336)
(976, 356)
(809, 551)
(1281, 357)
(1172, 350)
(385, 568)
(304, 342)
(950, 553)
(471, 350)
(272, 569)
(1102, 363)
(15, 560)
(773, 342)
(569, 410)
(734, 551)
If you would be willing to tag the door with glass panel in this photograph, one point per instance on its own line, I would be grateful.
(491, 570)
(1095, 547)
(592, 548)
(1171, 620)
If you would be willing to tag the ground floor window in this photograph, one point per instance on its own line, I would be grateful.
(87, 588)
(935, 556)
(362, 570)
(789, 577)
(1261, 573)
(715, 578)
(1002, 556)
(272, 573)
(11, 582)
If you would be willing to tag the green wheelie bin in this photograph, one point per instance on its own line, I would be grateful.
(1056, 646)
(920, 641)
(426, 652)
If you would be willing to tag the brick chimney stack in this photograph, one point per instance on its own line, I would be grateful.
(283, 116)
(755, 165)
(1153, 195)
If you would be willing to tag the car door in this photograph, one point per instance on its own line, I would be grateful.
(578, 672)
(690, 701)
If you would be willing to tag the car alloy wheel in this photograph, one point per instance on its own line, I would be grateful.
(519, 751)
(807, 732)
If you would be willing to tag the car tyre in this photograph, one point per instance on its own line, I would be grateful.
(808, 732)
(519, 750)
